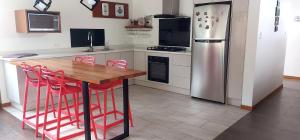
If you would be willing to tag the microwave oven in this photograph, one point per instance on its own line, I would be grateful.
(35, 21)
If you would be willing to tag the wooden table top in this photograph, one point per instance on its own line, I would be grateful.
(96, 74)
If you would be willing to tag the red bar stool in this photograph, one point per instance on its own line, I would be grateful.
(91, 60)
(121, 64)
(56, 86)
(33, 79)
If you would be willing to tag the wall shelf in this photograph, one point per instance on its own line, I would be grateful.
(138, 28)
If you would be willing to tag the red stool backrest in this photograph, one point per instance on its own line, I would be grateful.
(55, 79)
(91, 60)
(31, 72)
(121, 64)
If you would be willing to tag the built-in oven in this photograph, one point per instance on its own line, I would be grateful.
(158, 69)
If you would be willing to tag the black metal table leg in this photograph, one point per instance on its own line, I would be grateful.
(126, 107)
(86, 110)
(125, 110)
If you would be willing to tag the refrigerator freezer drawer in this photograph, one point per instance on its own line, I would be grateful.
(208, 71)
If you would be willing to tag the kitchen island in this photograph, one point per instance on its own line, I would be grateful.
(12, 83)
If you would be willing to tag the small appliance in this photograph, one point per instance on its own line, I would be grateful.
(43, 21)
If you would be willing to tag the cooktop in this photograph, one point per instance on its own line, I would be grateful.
(163, 48)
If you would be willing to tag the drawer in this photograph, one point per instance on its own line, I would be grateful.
(181, 71)
(182, 60)
(113, 56)
(181, 82)
(140, 62)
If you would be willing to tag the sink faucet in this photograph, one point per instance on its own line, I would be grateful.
(90, 38)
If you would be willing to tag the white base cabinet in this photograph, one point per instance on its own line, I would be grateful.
(140, 63)
(179, 71)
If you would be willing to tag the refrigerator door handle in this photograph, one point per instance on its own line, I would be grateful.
(209, 41)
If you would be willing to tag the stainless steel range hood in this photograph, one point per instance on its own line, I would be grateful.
(170, 9)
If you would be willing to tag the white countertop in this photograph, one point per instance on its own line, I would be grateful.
(65, 52)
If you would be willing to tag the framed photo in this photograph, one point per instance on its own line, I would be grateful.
(277, 16)
(105, 9)
(119, 10)
(276, 21)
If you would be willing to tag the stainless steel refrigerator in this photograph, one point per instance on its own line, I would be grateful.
(210, 51)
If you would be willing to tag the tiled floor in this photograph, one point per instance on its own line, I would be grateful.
(162, 115)
(277, 118)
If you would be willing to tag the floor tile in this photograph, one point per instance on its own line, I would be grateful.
(163, 115)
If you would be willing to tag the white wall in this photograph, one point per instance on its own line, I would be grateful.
(265, 51)
(270, 54)
(292, 65)
(73, 15)
(143, 8)
(250, 52)
(237, 51)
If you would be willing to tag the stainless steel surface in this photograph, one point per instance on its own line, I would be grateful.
(90, 38)
(171, 7)
(208, 71)
(209, 56)
(211, 21)
(55, 22)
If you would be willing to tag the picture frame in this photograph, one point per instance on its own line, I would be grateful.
(107, 9)
(119, 10)
(277, 16)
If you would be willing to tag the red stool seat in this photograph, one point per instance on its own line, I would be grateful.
(68, 89)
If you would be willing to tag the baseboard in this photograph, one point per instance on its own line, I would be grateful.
(250, 108)
(5, 105)
(291, 77)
